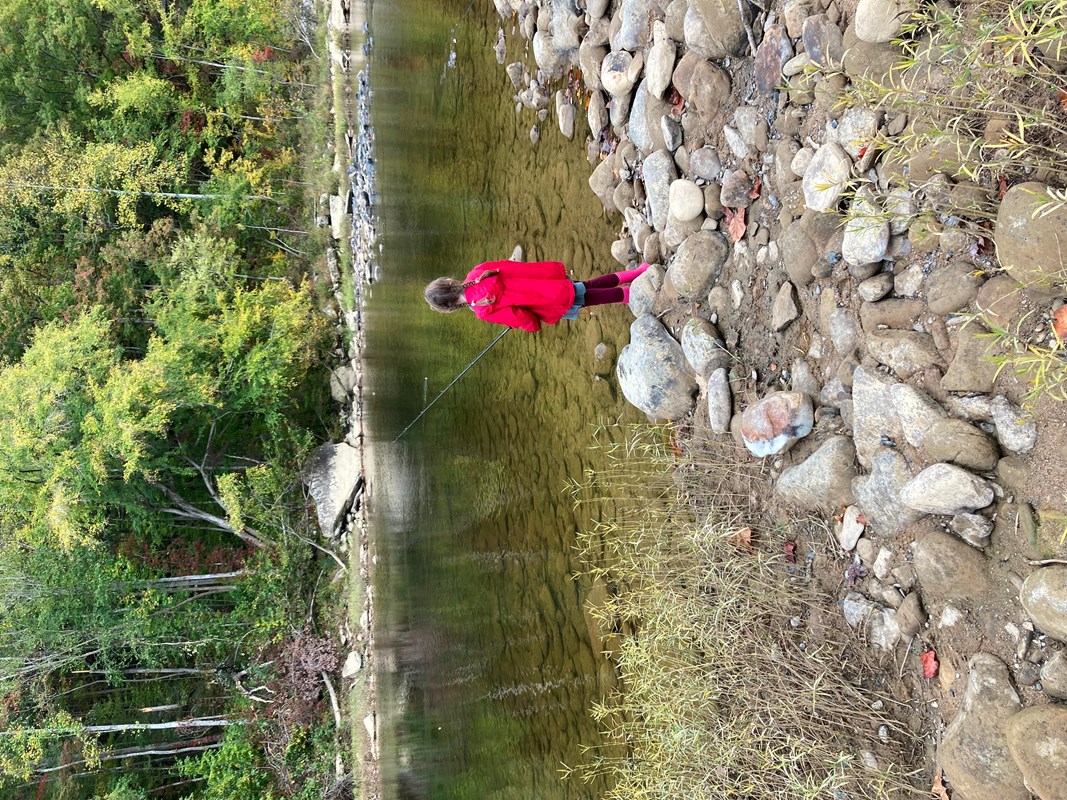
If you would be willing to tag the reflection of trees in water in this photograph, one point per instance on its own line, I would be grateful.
(410, 786)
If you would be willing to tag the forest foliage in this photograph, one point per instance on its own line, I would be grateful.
(161, 379)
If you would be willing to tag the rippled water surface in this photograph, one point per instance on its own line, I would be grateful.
(488, 660)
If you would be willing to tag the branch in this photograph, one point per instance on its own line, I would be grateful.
(187, 510)
(333, 700)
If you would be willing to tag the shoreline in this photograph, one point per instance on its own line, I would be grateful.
(354, 227)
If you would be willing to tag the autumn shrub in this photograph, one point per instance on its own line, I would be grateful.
(734, 684)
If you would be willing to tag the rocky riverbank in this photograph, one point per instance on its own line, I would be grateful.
(823, 298)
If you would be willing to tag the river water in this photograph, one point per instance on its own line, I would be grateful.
(488, 658)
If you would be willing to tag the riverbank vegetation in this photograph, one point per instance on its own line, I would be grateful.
(738, 679)
(163, 621)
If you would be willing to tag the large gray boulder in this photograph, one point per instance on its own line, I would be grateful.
(1037, 740)
(950, 570)
(946, 489)
(697, 264)
(645, 129)
(660, 172)
(653, 373)
(874, 414)
(633, 32)
(332, 475)
(974, 753)
(1044, 597)
(823, 481)
(714, 28)
(878, 494)
(1030, 244)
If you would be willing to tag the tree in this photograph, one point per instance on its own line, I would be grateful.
(92, 442)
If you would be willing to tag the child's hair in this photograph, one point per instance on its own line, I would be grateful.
(443, 294)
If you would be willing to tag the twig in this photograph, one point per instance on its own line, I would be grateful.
(330, 553)
(1047, 561)
(748, 27)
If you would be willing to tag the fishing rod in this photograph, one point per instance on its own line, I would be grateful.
(453, 383)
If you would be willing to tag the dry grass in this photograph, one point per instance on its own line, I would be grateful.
(740, 679)
(984, 101)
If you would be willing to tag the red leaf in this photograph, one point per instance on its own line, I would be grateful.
(1059, 322)
(930, 664)
(790, 550)
(1002, 187)
(863, 151)
(1061, 96)
(755, 190)
(938, 790)
(735, 224)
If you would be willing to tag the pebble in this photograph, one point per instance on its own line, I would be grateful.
(784, 310)
(826, 177)
(876, 287)
(1016, 430)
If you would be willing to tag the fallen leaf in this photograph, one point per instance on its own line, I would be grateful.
(1059, 322)
(741, 539)
(938, 790)
(1061, 95)
(863, 151)
(790, 550)
(930, 664)
(755, 190)
(735, 224)
(862, 520)
(1003, 187)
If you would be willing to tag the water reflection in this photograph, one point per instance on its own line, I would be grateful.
(490, 667)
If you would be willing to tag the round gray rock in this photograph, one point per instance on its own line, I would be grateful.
(1016, 430)
(1030, 247)
(946, 489)
(1044, 597)
(686, 200)
(703, 347)
(697, 264)
(1037, 739)
(1054, 676)
(961, 443)
(643, 291)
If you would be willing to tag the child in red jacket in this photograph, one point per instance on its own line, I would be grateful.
(527, 294)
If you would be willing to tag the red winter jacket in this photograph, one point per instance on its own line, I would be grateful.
(522, 294)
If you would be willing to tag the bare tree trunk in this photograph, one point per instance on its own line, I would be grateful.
(128, 727)
(163, 749)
